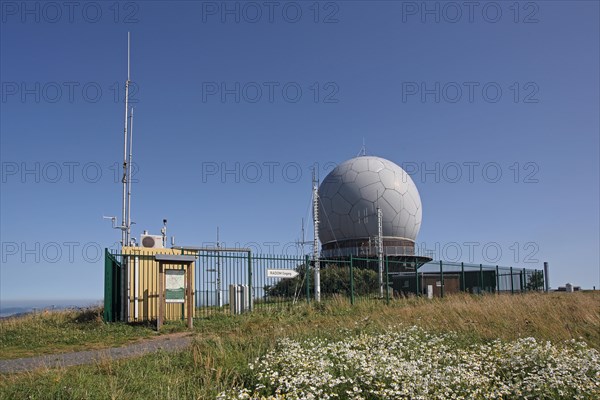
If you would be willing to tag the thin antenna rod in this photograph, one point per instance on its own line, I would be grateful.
(303, 239)
(124, 233)
(128, 55)
(129, 174)
(363, 149)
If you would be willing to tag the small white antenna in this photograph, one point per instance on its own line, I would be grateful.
(363, 149)
(113, 219)
(163, 232)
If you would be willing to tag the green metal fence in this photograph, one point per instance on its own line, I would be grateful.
(112, 288)
(285, 281)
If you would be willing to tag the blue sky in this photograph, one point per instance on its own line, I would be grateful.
(236, 101)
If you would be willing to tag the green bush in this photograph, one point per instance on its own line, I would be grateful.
(335, 279)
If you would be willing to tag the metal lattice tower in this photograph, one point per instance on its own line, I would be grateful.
(380, 248)
(316, 236)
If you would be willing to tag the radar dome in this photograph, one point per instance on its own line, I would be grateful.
(349, 197)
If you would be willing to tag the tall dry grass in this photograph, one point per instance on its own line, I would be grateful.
(553, 316)
(546, 316)
(224, 345)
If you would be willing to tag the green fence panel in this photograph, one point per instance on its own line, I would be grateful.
(283, 281)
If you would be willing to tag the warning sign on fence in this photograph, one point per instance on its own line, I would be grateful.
(281, 273)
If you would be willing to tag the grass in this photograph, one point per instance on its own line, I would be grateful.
(224, 345)
(62, 331)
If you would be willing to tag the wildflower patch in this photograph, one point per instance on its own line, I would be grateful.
(410, 363)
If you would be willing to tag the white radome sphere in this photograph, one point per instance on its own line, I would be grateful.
(350, 193)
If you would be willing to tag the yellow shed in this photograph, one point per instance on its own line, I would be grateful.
(142, 285)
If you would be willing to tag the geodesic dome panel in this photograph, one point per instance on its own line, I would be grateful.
(350, 194)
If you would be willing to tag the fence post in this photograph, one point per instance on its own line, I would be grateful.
(523, 280)
(123, 303)
(107, 287)
(387, 279)
(351, 279)
(307, 277)
(250, 302)
(481, 278)
(161, 299)
(497, 280)
(190, 296)
(441, 279)
(463, 287)
(512, 282)
(183, 304)
(416, 279)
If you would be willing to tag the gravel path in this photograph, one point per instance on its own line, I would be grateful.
(172, 342)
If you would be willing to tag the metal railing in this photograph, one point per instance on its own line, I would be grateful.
(371, 251)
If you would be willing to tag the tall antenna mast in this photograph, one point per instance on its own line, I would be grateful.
(124, 227)
(316, 235)
(130, 168)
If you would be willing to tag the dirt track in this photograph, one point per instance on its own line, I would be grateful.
(172, 342)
